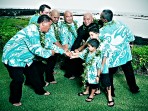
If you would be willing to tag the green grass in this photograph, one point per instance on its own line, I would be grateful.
(64, 96)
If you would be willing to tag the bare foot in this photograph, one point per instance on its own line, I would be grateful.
(47, 83)
(97, 92)
(47, 93)
(53, 82)
(72, 78)
(54, 72)
(17, 104)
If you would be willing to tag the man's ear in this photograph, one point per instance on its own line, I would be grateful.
(105, 21)
(43, 23)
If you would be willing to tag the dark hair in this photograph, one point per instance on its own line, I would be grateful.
(42, 7)
(94, 43)
(107, 14)
(93, 27)
(43, 18)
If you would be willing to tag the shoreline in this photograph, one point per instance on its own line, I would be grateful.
(140, 40)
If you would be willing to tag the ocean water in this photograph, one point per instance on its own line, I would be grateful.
(138, 25)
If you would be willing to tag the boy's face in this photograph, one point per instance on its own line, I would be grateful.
(90, 48)
(93, 35)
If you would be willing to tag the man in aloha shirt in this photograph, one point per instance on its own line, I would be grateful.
(43, 10)
(50, 35)
(118, 36)
(67, 36)
(20, 52)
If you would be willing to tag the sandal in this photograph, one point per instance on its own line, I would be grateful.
(81, 94)
(110, 102)
(88, 99)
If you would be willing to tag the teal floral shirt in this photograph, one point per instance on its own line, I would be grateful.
(50, 37)
(116, 36)
(22, 48)
(68, 35)
(104, 53)
(34, 18)
(91, 69)
(55, 31)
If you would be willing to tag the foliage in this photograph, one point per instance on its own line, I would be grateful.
(140, 57)
(9, 27)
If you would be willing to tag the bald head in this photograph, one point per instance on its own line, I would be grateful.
(87, 18)
(55, 15)
(68, 16)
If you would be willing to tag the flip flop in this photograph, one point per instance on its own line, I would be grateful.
(111, 102)
(89, 99)
(81, 94)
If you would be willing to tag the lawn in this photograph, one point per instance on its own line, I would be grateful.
(64, 96)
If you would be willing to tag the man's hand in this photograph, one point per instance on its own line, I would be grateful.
(53, 52)
(68, 53)
(76, 50)
(97, 79)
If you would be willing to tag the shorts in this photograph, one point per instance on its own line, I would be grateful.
(92, 86)
(104, 79)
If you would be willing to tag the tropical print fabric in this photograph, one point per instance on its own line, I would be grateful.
(34, 18)
(21, 49)
(117, 37)
(91, 69)
(68, 36)
(50, 37)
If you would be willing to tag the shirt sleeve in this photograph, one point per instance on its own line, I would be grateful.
(33, 42)
(82, 54)
(98, 63)
(129, 34)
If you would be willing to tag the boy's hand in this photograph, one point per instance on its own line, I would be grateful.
(97, 79)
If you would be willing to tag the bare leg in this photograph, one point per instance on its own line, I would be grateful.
(97, 91)
(110, 99)
(91, 96)
(86, 90)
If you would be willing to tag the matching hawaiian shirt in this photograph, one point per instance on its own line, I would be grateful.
(22, 48)
(66, 36)
(50, 37)
(92, 69)
(117, 37)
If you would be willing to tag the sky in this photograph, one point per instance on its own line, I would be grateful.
(135, 6)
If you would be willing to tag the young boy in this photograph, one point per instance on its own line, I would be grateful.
(101, 67)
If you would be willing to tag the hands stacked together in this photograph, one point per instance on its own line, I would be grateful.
(72, 54)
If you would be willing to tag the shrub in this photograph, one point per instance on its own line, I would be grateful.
(9, 27)
(140, 58)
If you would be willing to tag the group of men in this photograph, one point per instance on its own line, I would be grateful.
(33, 51)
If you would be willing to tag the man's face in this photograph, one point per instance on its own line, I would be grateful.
(102, 18)
(68, 17)
(46, 11)
(45, 26)
(87, 20)
(55, 18)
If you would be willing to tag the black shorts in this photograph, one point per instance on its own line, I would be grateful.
(105, 81)
(92, 86)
